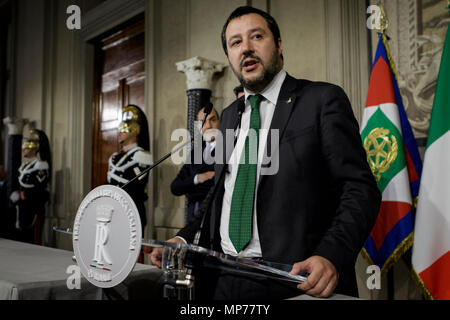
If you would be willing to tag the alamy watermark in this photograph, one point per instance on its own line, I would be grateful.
(224, 149)
(374, 21)
(74, 279)
(374, 280)
(73, 22)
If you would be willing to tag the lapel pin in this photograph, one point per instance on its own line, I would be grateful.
(290, 100)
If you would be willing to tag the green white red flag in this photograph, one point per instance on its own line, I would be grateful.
(431, 249)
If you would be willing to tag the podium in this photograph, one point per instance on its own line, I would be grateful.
(107, 239)
(179, 262)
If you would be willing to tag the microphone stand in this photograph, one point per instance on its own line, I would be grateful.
(189, 258)
(210, 195)
(139, 177)
(171, 284)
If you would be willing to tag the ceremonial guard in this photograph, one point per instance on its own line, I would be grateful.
(133, 158)
(32, 196)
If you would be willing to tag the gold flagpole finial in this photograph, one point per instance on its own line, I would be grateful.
(384, 22)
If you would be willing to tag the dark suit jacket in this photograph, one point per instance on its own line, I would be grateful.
(183, 184)
(324, 199)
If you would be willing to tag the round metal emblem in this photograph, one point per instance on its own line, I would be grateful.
(107, 236)
(381, 149)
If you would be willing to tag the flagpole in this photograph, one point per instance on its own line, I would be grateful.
(384, 24)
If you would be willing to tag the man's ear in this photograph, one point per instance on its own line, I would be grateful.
(280, 46)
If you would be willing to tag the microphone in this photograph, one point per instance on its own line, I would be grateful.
(206, 111)
(189, 259)
(204, 207)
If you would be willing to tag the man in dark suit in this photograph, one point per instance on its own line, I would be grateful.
(196, 177)
(314, 201)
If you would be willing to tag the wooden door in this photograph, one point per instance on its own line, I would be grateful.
(120, 79)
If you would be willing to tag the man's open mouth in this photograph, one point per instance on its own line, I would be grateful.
(250, 64)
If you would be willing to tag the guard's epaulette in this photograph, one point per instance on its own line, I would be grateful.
(143, 157)
(114, 155)
(41, 165)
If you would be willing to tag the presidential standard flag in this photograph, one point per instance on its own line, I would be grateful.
(395, 162)
(431, 250)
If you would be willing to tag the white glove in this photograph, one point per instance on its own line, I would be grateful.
(14, 197)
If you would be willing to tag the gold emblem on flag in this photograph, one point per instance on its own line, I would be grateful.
(381, 149)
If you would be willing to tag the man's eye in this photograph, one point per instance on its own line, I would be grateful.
(257, 36)
(235, 43)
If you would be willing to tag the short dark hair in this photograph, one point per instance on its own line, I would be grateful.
(203, 108)
(238, 90)
(242, 11)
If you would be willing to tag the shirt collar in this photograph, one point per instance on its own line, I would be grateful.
(272, 91)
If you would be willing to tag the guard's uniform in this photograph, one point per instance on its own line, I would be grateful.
(125, 166)
(133, 159)
(31, 198)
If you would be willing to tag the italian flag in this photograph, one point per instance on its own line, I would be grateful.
(431, 250)
(393, 157)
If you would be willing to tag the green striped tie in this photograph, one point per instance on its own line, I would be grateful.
(241, 212)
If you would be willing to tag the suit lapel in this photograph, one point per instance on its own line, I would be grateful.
(283, 110)
(285, 103)
(282, 113)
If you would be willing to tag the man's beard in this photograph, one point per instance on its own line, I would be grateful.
(269, 72)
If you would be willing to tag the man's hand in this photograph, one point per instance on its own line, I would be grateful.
(205, 176)
(16, 196)
(156, 254)
(322, 279)
(147, 250)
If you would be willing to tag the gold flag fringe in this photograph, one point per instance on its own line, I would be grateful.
(408, 241)
(394, 257)
(418, 281)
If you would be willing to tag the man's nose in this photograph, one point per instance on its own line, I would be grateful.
(247, 47)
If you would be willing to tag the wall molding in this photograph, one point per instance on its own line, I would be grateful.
(150, 76)
(105, 16)
(100, 19)
(347, 49)
(333, 42)
(48, 67)
(108, 15)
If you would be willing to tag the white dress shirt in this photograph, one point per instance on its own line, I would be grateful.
(267, 108)
(207, 157)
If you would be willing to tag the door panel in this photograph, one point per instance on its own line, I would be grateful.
(110, 105)
(135, 91)
(120, 79)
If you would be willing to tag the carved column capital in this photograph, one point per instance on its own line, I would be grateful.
(15, 126)
(199, 72)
